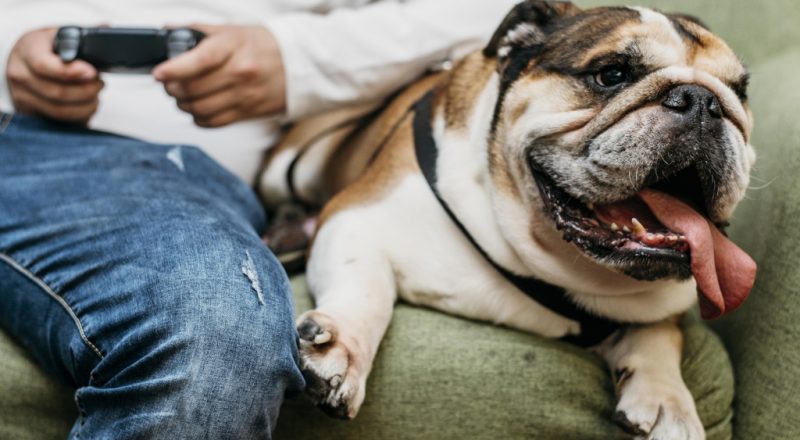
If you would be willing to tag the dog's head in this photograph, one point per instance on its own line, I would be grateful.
(623, 126)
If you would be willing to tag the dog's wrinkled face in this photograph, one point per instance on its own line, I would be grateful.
(597, 106)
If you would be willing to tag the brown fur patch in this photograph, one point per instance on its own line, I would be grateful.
(499, 170)
(714, 56)
(464, 86)
(357, 151)
(388, 143)
(592, 31)
(395, 160)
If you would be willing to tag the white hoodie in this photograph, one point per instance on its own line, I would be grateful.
(336, 52)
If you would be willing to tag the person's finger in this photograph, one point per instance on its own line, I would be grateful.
(49, 65)
(202, 86)
(59, 92)
(207, 29)
(218, 120)
(27, 102)
(211, 53)
(212, 104)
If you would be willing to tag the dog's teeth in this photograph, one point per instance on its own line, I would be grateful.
(638, 228)
(655, 239)
(672, 238)
(614, 227)
(626, 228)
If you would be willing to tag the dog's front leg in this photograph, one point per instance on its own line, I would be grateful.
(645, 363)
(354, 288)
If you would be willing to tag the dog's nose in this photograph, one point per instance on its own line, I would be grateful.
(693, 101)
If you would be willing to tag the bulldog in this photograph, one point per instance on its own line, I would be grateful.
(572, 180)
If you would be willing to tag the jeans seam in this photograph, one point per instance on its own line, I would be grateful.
(42, 285)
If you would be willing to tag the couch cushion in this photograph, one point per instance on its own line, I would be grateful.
(439, 377)
(32, 405)
(763, 335)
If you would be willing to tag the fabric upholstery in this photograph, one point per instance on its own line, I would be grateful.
(763, 335)
(32, 405)
(442, 377)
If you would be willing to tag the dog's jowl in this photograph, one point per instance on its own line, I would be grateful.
(572, 179)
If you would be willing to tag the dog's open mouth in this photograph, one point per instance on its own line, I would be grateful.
(661, 232)
(626, 229)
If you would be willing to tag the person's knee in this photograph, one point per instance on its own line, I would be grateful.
(241, 350)
(216, 286)
(239, 361)
(238, 331)
(217, 352)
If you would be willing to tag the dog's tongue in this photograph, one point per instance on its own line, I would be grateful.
(724, 273)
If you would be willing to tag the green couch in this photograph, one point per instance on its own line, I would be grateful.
(440, 377)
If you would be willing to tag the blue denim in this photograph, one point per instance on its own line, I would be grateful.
(135, 273)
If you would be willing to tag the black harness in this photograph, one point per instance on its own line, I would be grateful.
(594, 328)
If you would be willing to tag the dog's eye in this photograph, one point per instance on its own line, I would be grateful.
(612, 76)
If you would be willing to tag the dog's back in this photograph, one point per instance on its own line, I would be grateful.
(320, 156)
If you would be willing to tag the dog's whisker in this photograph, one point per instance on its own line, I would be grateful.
(764, 186)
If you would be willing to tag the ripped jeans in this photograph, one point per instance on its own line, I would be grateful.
(135, 273)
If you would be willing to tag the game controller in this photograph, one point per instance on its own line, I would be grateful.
(133, 50)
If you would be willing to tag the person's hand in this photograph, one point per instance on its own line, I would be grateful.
(41, 84)
(235, 73)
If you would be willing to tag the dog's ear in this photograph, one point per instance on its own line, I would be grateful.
(526, 25)
(691, 19)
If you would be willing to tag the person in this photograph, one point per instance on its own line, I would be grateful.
(131, 264)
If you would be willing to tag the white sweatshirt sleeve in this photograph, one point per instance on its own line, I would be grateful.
(352, 55)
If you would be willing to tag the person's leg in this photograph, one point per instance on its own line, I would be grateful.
(135, 272)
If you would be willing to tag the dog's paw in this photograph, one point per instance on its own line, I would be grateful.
(330, 365)
(650, 408)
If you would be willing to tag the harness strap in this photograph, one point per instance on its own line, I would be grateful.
(594, 328)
